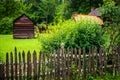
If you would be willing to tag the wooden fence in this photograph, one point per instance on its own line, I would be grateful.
(70, 64)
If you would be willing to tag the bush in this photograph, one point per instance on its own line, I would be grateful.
(84, 33)
(6, 25)
(110, 12)
(108, 76)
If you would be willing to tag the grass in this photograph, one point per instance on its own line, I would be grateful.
(7, 44)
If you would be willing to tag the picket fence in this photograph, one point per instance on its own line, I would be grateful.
(70, 64)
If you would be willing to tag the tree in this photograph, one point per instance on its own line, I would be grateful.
(84, 6)
(111, 12)
(42, 9)
(62, 11)
(9, 10)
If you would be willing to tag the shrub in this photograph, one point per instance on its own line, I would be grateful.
(6, 25)
(108, 76)
(84, 33)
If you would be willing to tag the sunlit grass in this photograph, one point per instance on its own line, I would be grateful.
(7, 44)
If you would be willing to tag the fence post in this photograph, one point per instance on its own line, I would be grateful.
(35, 65)
(58, 64)
(29, 66)
(24, 65)
(20, 65)
(51, 63)
(79, 59)
(39, 65)
(2, 75)
(93, 61)
(118, 50)
(100, 62)
(68, 64)
(84, 63)
(89, 61)
(16, 67)
(7, 66)
(12, 66)
(64, 66)
(43, 65)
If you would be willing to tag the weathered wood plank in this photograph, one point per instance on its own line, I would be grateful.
(16, 66)
(61, 63)
(34, 65)
(84, 63)
(58, 65)
(39, 66)
(2, 75)
(105, 60)
(47, 66)
(55, 65)
(29, 66)
(12, 66)
(79, 63)
(76, 63)
(75, 53)
(64, 66)
(43, 66)
(93, 66)
(7, 66)
(97, 61)
(100, 62)
(51, 67)
(118, 50)
(24, 65)
(20, 67)
(68, 63)
(119, 63)
(89, 61)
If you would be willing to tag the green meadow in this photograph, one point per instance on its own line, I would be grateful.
(8, 44)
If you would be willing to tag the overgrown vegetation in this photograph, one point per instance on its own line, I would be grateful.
(84, 33)
(110, 13)
(108, 76)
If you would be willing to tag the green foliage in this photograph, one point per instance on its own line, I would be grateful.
(59, 13)
(41, 9)
(84, 33)
(108, 76)
(50, 11)
(76, 76)
(6, 25)
(111, 13)
(62, 12)
(9, 10)
(84, 7)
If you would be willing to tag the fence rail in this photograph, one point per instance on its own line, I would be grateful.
(70, 64)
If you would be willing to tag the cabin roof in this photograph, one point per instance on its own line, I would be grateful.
(95, 12)
(23, 18)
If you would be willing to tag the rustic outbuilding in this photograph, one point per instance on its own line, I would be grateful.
(23, 27)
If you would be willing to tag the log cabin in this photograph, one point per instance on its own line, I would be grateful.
(77, 17)
(94, 14)
(23, 27)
